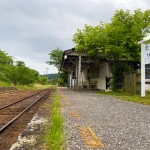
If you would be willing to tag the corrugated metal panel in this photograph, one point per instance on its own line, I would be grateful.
(76, 54)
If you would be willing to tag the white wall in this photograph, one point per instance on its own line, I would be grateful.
(147, 86)
(103, 72)
(84, 75)
(101, 83)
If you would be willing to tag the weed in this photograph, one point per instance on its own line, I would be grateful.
(54, 135)
(128, 97)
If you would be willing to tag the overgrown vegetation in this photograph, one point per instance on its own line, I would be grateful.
(32, 87)
(117, 72)
(128, 97)
(54, 135)
(5, 84)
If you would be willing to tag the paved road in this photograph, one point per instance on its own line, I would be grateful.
(119, 125)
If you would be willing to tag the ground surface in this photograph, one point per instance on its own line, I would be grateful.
(11, 96)
(93, 120)
(28, 139)
(32, 136)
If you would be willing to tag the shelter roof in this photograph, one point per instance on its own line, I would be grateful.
(70, 59)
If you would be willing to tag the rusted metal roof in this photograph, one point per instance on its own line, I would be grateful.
(72, 52)
(69, 56)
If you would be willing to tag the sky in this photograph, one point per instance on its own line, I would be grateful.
(31, 29)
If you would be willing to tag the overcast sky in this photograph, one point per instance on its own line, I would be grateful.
(30, 29)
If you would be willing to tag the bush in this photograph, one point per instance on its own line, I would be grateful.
(117, 72)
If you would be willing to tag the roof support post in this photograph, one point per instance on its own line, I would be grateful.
(79, 73)
(71, 79)
(68, 86)
(76, 86)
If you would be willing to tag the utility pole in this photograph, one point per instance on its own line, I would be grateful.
(47, 70)
(47, 74)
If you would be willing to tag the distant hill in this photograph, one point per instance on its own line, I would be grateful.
(51, 76)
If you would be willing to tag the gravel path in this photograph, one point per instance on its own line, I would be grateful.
(120, 125)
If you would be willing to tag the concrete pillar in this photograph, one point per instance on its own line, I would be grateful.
(68, 79)
(76, 83)
(79, 73)
(71, 79)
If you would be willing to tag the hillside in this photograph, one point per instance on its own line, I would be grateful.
(51, 76)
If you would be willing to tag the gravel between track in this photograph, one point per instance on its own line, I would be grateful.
(120, 125)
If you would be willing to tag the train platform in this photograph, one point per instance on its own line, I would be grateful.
(95, 122)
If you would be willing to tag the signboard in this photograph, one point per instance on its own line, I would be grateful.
(146, 53)
(145, 59)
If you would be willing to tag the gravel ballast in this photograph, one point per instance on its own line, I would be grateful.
(120, 125)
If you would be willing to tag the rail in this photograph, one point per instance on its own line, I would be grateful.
(21, 99)
(16, 117)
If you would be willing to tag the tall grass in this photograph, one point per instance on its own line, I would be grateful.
(129, 97)
(33, 87)
(54, 135)
(25, 87)
(5, 84)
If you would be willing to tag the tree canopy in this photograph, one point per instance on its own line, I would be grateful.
(16, 72)
(55, 57)
(117, 39)
(5, 58)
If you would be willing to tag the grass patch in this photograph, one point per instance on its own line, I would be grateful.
(128, 97)
(5, 84)
(33, 87)
(42, 86)
(54, 135)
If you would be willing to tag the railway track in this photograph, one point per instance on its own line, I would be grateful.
(11, 112)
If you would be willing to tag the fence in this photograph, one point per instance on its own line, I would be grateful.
(132, 82)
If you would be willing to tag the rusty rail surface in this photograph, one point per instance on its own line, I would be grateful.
(22, 99)
(46, 91)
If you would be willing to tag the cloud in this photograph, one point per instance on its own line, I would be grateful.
(30, 29)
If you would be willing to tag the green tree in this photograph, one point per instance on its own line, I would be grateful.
(117, 72)
(55, 58)
(54, 81)
(5, 62)
(43, 80)
(124, 32)
(91, 39)
(60, 81)
(20, 63)
(117, 39)
(26, 75)
(16, 74)
(63, 75)
(5, 58)
(20, 75)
